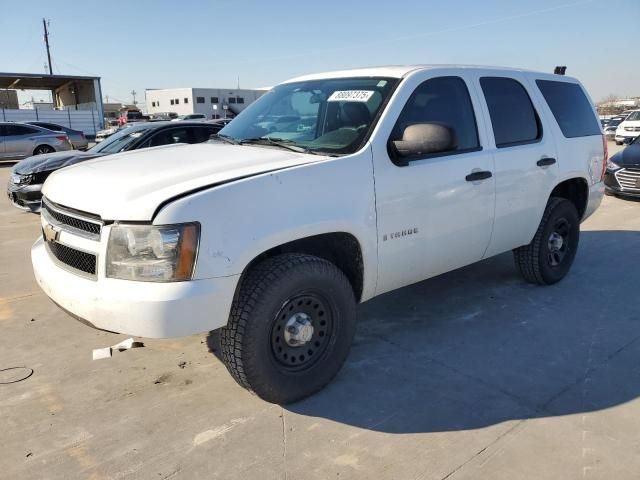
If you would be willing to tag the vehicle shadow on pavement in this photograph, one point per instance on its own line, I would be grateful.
(479, 346)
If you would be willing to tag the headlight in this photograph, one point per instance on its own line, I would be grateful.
(613, 165)
(150, 253)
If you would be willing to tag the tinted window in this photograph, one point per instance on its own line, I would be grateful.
(49, 126)
(186, 100)
(513, 117)
(16, 130)
(202, 134)
(170, 136)
(570, 107)
(232, 100)
(240, 100)
(214, 99)
(200, 99)
(443, 100)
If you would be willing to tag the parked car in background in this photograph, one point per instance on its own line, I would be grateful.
(27, 176)
(611, 126)
(378, 178)
(628, 129)
(76, 137)
(623, 172)
(190, 116)
(19, 140)
(101, 135)
(222, 122)
(154, 117)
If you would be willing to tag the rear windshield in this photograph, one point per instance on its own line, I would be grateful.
(570, 107)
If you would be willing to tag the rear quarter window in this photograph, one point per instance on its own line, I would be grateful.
(570, 107)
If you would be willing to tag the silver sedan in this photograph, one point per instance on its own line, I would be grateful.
(19, 140)
(76, 137)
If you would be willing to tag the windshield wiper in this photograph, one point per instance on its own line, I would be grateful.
(278, 142)
(225, 138)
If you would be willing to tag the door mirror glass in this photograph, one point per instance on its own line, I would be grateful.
(423, 139)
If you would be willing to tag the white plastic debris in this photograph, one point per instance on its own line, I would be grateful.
(100, 353)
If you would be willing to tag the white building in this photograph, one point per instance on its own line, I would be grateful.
(213, 102)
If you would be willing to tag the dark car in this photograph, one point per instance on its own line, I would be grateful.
(623, 172)
(611, 126)
(27, 176)
(76, 137)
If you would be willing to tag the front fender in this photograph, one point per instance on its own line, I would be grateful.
(242, 219)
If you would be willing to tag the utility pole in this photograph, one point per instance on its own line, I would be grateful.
(46, 42)
(133, 94)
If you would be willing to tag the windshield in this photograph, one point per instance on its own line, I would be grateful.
(634, 116)
(332, 116)
(118, 141)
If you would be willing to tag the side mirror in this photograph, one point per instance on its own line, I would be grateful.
(423, 139)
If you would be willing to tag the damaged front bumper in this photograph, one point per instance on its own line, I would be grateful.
(141, 309)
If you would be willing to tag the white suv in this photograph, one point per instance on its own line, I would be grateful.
(629, 128)
(327, 191)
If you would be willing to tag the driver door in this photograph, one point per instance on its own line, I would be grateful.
(434, 212)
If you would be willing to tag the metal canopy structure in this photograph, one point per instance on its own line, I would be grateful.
(68, 91)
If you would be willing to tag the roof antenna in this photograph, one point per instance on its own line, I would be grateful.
(560, 70)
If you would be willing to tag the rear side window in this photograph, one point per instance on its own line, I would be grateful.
(17, 130)
(443, 100)
(514, 120)
(570, 107)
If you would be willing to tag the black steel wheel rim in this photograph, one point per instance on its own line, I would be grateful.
(559, 242)
(312, 307)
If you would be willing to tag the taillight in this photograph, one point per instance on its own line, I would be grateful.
(62, 138)
(605, 158)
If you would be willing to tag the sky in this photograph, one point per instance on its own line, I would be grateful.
(134, 45)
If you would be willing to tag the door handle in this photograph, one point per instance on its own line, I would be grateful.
(475, 176)
(545, 162)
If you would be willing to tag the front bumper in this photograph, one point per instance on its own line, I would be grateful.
(613, 186)
(25, 197)
(622, 136)
(141, 309)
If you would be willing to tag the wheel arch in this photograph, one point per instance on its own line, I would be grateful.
(342, 249)
(38, 145)
(576, 190)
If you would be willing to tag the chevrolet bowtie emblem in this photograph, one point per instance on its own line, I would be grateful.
(51, 234)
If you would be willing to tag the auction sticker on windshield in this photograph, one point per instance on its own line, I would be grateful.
(350, 96)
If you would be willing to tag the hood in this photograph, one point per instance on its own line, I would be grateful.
(52, 161)
(131, 185)
(629, 157)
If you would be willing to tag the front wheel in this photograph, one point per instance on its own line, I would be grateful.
(549, 256)
(290, 328)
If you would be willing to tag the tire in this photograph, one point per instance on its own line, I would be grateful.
(267, 345)
(43, 149)
(618, 143)
(546, 260)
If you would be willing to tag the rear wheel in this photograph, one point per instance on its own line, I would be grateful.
(549, 256)
(42, 149)
(291, 327)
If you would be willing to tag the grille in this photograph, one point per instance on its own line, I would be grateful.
(629, 178)
(82, 261)
(93, 228)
